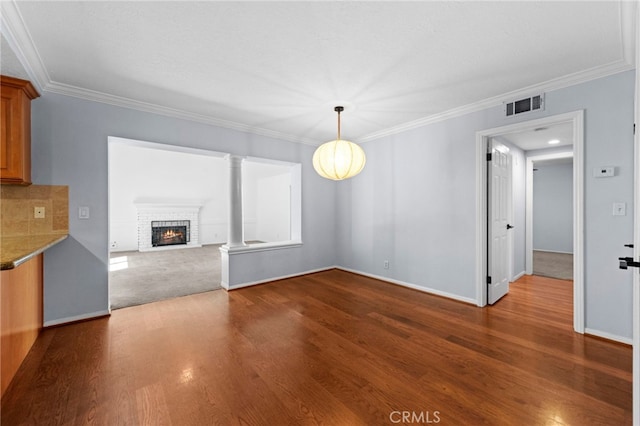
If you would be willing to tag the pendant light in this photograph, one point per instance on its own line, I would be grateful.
(338, 159)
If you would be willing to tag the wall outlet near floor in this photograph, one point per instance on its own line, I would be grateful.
(114, 244)
(38, 212)
(386, 264)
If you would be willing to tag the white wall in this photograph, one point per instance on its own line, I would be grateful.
(274, 208)
(414, 203)
(139, 174)
(265, 201)
(553, 207)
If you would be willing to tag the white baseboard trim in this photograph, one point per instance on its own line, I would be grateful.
(518, 276)
(252, 283)
(82, 317)
(609, 336)
(413, 286)
(554, 251)
(354, 271)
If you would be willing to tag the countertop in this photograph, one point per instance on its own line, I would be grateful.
(17, 250)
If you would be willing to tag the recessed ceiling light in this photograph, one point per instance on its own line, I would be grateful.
(554, 142)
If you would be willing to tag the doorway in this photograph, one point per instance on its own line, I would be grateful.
(549, 218)
(574, 121)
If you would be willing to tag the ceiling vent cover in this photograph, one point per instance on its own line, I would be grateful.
(521, 106)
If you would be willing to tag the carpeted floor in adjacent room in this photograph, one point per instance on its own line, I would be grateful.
(157, 275)
(553, 265)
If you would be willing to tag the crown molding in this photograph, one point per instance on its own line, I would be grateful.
(105, 98)
(550, 85)
(13, 28)
(17, 35)
(627, 30)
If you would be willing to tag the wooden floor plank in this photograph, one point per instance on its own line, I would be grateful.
(330, 348)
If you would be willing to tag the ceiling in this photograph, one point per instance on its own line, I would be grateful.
(279, 68)
(539, 137)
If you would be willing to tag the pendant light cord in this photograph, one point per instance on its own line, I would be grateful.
(339, 109)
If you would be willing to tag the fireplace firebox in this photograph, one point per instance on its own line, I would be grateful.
(169, 232)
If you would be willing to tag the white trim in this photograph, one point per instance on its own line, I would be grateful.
(628, 11)
(636, 236)
(268, 280)
(577, 118)
(15, 31)
(518, 276)
(511, 215)
(481, 224)
(354, 271)
(412, 286)
(553, 251)
(529, 203)
(165, 147)
(252, 248)
(120, 101)
(608, 336)
(550, 85)
(75, 318)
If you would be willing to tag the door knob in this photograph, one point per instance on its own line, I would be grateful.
(629, 245)
(510, 226)
(626, 262)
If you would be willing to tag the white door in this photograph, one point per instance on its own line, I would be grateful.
(499, 194)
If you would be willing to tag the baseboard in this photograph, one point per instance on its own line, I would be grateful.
(413, 286)
(609, 336)
(92, 315)
(554, 251)
(252, 283)
(518, 276)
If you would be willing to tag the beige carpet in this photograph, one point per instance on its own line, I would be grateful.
(553, 265)
(159, 275)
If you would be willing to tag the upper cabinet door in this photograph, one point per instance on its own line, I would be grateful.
(15, 130)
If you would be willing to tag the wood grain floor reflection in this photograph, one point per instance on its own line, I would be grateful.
(330, 348)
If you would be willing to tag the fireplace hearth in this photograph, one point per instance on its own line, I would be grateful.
(169, 232)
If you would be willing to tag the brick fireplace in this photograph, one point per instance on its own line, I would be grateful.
(163, 226)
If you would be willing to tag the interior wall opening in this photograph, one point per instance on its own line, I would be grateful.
(168, 216)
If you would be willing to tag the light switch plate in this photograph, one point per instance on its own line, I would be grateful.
(83, 212)
(619, 209)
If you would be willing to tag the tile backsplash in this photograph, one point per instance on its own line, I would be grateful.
(17, 204)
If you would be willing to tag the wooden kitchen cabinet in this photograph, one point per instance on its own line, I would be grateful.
(21, 315)
(15, 130)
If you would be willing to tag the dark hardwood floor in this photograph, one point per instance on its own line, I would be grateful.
(330, 348)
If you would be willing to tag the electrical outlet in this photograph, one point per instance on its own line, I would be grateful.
(38, 212)
(604, 171)
(386, 264)
(114, 244)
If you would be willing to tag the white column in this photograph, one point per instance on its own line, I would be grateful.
(235, 235)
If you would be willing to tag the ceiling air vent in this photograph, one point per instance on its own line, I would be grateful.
(520, 106)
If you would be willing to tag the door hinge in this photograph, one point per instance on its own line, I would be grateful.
(488, 280)
(488, 156)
